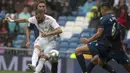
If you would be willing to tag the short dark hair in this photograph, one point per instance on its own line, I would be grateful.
(41, 1)
(106, 5)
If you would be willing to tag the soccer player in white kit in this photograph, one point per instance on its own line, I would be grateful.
(48, 29)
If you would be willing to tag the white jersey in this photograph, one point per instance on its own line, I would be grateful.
(48, 25)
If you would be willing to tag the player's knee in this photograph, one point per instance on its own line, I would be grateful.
(42, 59)
(77, 51)
(95, 60)
(44, 56)
(37, 46)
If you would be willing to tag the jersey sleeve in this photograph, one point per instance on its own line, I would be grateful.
(30, 25)
(32, 20)
(102, 22)
(55, 24)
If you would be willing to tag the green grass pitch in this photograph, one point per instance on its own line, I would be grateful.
(1, 71)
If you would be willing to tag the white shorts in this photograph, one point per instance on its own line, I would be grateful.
(45, 45)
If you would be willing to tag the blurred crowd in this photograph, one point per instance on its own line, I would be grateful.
(26, 8)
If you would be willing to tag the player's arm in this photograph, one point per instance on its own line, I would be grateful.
(97, 35)
(30, 20)
(28, 36)
(28, 33)
(21, 20)
(56, 31)
(99, 31)
(28, 30)
(94, 37)
(16, 20)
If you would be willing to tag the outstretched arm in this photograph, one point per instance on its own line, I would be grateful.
(16, 20)
(21, 20)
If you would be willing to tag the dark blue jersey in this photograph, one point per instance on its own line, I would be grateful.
(111, 32)
(33, 27)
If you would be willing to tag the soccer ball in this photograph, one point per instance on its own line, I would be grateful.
(54, 54)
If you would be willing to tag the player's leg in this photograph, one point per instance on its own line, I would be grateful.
(126, 62)
(35, 57)
(122, 58)
(88, 49)
(42, 60)
(50, 47)
(93, 62)
(79, 54)
(101, 58)
(44, 56)
(39, 43)
(36, 53)
(104, 61)
(40, 64)
(54, 68)
(108, 68)
(96, 60)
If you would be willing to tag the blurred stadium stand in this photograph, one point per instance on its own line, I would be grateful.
(74, 27)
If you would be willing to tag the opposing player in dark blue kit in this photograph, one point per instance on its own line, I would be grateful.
(116, 51)
(108, 38)
(103, 37)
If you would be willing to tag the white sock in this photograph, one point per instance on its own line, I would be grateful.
(40, 65)
(35, 57)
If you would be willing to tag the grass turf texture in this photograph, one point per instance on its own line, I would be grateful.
(1, 71)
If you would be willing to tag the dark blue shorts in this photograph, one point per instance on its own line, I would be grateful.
(100, 50)
(119, 56)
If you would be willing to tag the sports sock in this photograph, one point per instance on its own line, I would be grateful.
(40, 65)
(90, 67)
(109, 68)
(54, 67)
(81, 61)
(35, 57)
